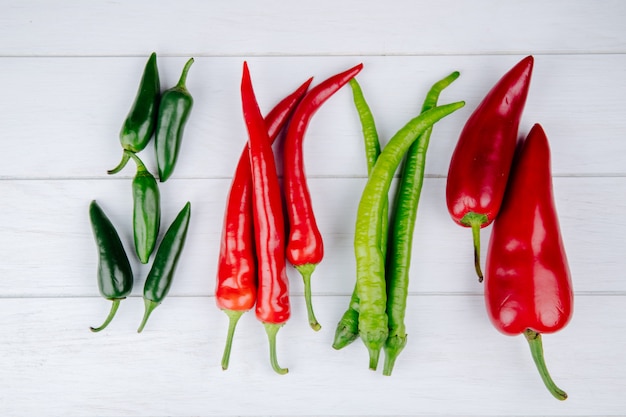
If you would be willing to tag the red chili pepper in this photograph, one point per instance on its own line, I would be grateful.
(305, 247)
(272, 305)
(235, 292)
(527, 285)
(481, 161)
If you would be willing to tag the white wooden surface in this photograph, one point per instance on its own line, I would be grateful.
(69, 71)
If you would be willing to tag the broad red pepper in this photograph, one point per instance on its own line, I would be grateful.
(305, 246)
(272, 305)
(235, 291)
(527, 283)
(481, 161)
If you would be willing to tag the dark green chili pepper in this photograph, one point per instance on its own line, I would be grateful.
(140, 122)
(174, 110)
(146, 211)
(401, 232)
(115, 275)
(347, 329)
(161, 274)
(371, 286)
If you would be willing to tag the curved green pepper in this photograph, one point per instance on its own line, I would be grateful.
(174, 110)
(161, 274)
(115, 275)
(141, 120)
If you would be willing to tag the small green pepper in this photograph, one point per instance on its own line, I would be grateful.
(141, 120)
(146, 211)
(115, 275)
(174, 110)
(161, 274)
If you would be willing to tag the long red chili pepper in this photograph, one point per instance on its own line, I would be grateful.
(481, 161)
(272, 305)
(235, 291)
(305, 247)
(527, 283)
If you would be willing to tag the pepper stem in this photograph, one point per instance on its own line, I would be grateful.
(138, 161)
(233, 318)
(347, 329)
(150, 306)
(306, 271)
(271, 329)
(114, 307)
(536, 348)
(476, 222)
(125, 157)
(393, 347)
(374, 355)
(183, 76)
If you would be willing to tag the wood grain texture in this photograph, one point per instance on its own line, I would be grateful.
(454, 364)
(280, 27)
(70, 71)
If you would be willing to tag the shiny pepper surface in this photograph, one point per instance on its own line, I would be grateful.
(481, 161)
(527, 283)
(140, 122)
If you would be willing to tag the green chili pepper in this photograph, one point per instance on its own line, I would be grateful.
(139, 124)
(371, 286)
(401, 232)
(174, 110)
(161, 274)
(146, 211)
(115, 275)
(347, 328)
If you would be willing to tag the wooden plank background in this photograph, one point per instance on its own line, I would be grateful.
(70, 70)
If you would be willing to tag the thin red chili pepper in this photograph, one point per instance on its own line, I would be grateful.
(305, 247)
(527, 283)
(235, 291)
(481, 161)
(272, 305)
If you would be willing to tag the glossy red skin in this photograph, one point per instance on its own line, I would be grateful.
(272, 305)
(481, 161)
(236, 272)
(305, 244)
(527, 281)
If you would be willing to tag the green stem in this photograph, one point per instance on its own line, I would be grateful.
(114, 307)
(150, 306)
(536, 348)
(271, 330)
(140, 165)
(233, 318)
(183, 76)
(348, 327)
(306, 271)
(374, 355)
(476, 222)
(125, 157)
(393, 347)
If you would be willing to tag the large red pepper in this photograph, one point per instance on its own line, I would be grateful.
(305, 247)
(481, 161)
(235, 290)
(272, 305)
(527, 283)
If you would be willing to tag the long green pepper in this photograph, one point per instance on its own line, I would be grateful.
(174, 109)
(371, 285)
(161, 274)
(115, 275)
(347, 329)
(401, 232)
